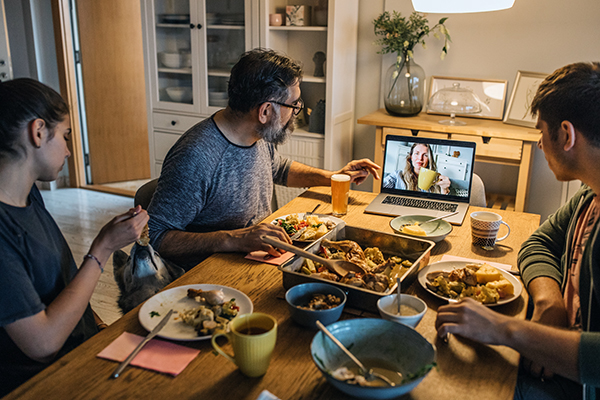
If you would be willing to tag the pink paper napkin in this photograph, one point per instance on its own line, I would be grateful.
(263, 256)
(157, 355)
(447, 257)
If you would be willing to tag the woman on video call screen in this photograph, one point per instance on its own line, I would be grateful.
(419, 172)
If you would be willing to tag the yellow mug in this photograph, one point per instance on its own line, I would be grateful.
(252, 337)
(427, 177)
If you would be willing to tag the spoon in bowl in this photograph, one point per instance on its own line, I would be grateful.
(369, 374)
(398, 295)
(340, 267)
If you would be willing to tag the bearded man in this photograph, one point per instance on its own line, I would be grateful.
(217, 181)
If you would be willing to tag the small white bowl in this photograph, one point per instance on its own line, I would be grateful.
(388, 308)
(170, 60)
(180, 94)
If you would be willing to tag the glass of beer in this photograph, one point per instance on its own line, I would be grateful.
(340, 186)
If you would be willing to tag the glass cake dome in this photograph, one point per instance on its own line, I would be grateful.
(454, 100)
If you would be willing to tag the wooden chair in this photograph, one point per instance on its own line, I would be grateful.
(477, 192)
(144, 194)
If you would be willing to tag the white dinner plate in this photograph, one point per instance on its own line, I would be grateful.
(322, 217)
(450, 265)
(176, 298)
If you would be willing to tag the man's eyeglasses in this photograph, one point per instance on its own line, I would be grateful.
(297, 108)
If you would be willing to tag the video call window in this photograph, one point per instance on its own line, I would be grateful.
(402, 169)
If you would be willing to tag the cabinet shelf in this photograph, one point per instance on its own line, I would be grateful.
(176, 26)
(219, 72)
(314, 79)
(228, 27)
(299, 28)
(184, 71)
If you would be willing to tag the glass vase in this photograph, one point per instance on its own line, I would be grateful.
(404, 88)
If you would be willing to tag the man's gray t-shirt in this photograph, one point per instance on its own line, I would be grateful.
(208, 183)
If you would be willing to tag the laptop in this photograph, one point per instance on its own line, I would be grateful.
(451, 158)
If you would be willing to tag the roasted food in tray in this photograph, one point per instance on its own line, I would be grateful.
(381, 271)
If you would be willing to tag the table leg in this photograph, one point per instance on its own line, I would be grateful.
(524, 177)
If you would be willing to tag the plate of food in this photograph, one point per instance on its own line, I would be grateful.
(307, 227)
(453, 280)
(199, 310)
(411, 225)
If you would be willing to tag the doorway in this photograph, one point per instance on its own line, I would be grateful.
(103, 60)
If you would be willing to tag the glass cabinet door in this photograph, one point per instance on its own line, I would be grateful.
(226, 40)
(173, 45)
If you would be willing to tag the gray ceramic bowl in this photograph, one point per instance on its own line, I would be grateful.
(301, 294)
(377, 342)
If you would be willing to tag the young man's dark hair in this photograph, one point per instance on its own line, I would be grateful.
(571, 93)
(259, 76)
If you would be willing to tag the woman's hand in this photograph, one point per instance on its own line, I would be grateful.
(119, 232)
(444, 183)
(359, 170)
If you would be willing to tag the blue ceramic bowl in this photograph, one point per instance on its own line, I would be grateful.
(378, 343)
(302, 293)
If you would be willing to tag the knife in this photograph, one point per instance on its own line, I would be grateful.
(131, 356)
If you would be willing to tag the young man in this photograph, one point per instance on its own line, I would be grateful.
(560, 262)
(217, 180)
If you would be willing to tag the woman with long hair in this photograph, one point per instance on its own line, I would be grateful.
(420, 155)
(44, 294)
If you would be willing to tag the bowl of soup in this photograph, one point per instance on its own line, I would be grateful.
(396, 351)
(412, 309)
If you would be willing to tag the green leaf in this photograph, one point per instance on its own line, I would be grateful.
(154, 314)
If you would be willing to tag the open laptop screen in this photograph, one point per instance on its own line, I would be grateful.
(428, 168)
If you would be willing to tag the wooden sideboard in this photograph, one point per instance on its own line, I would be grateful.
(497, 142)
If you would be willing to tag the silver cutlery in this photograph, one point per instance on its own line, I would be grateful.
(135, 351)
(369, 374)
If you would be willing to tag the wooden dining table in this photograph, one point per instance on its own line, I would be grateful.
(465, 369)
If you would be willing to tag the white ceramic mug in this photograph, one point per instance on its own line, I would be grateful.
(484, 229)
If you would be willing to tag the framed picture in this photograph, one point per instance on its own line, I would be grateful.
(519, 106)
(490, 92)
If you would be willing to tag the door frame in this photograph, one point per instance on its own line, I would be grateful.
(65, 56)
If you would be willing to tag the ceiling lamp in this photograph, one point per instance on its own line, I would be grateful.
(460, 6)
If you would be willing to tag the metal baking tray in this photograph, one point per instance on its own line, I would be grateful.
(416, 250)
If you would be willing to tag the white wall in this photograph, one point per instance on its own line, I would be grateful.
(534, 35)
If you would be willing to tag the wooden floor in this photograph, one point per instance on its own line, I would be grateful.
(80, 214)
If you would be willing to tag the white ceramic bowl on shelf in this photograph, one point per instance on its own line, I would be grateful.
(170, 60)
(180, 94)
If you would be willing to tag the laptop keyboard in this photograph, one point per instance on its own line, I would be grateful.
(420, 203)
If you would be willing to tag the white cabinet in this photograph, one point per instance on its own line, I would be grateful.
(191, 45)
(338, 40)
(189, 49)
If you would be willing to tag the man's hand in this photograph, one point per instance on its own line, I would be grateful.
(359, 170)
(248, 239)
(472, 320)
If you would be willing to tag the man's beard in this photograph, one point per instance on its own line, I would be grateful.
(276, 132)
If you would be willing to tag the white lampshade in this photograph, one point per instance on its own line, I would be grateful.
(460, 6)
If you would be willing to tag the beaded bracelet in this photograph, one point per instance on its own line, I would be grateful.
(93, 257)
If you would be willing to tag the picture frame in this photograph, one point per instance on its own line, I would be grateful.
(519, 106)
(491, 92)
